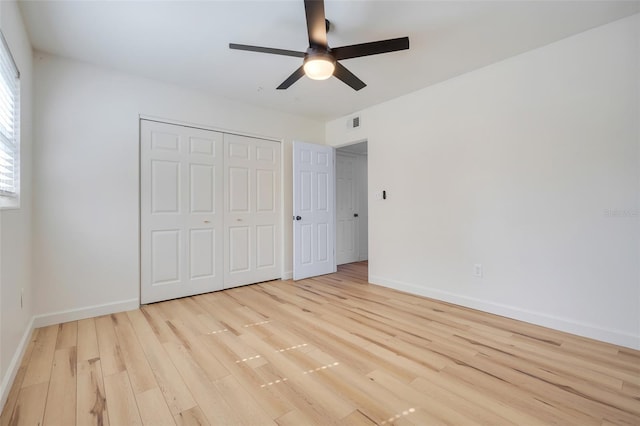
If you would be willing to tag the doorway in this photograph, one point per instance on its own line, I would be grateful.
(352, 215)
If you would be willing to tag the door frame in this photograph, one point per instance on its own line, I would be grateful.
(214, 129)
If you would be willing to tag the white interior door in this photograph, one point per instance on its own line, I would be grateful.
(252, 210)
(313, 210)
(347, 237)
(181, 211)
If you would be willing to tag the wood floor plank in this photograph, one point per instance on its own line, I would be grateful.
(296, 389)
(67, 335)
(632, 390)
(121, 403)
(39, 369)
(413, 398)
(191, 417)
(356, 418)
(444, 397)
(136, 364)
(203, 390)
(252, 379)
(501, 349)
(153, 408)
(109, 347)
(301, 388)
(502, 388)
(92, 401)
(208, 363)
(295, 418)
(175, 391)
(29, 409)
(12, 398)
(87, 340)
(61, 397)
(325, 350)
(153, 315)
(175, 313)
(249, 411)
(373, 401)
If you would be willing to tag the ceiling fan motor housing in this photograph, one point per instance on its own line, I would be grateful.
(318, 52)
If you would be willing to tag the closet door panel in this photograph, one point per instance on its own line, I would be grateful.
(252, 204)
(181, 207)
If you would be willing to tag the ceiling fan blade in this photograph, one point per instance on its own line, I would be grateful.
(372, 48)
(266, 50)
(297, 74)
(316, 25)
(348, 77)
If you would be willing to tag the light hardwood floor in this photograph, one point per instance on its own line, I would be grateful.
(326, 350)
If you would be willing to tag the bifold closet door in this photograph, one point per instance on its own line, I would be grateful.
(181, 202)
(251, 210)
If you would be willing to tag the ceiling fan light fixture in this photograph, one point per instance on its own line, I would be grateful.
(320, 61)
(319, 66)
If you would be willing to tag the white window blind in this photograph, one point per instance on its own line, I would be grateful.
(9, 122)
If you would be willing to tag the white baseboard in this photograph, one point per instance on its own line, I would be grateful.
(288, 275)
(568, 325)
(85, 312)
(12, 370)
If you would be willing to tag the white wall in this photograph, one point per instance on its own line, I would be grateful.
(531, 167)
(15, 225)
(86, 177)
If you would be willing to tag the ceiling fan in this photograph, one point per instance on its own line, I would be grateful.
(320, 61)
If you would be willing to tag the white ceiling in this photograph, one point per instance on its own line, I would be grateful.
(186, 42)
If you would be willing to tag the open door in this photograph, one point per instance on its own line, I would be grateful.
(313, 210)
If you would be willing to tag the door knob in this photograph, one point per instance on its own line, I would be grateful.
(355, 215)
(298, 218)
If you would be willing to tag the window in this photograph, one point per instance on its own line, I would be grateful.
(9, 128)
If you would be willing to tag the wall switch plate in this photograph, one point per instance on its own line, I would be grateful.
(477, 270)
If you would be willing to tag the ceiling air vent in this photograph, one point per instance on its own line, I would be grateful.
(354, 122)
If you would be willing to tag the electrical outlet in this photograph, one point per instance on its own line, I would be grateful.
(477, 270)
